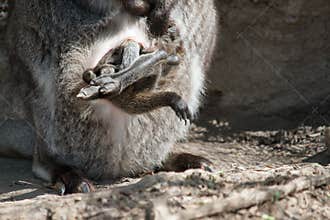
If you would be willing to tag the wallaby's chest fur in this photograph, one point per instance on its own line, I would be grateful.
(56, 40)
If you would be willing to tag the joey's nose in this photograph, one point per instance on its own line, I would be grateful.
(137, 7)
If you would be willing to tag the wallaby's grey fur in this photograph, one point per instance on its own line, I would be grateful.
(51, 43)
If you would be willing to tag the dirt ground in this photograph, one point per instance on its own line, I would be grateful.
(245, 165)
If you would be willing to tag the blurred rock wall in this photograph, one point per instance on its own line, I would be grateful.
(272, 63)
(3, 55)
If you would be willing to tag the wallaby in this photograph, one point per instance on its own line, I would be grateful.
(52, 43)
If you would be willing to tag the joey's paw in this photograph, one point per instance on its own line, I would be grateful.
(182, 110)
(180, 162)
(73, 182)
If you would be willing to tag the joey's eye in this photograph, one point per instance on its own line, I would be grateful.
(137, 7)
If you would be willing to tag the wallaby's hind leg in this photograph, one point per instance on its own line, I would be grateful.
(64, 179)
(17, 138)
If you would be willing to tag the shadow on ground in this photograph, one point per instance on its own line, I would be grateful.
(17, 181)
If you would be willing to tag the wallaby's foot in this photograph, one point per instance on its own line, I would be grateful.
(64, 179)
(72, 181)
(184, 161)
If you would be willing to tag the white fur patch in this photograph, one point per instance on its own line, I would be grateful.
(197, 82)
(116, 122)
(108, 114)
(197, 74)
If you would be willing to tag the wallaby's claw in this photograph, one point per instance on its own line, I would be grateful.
(59, 187)
(182, 110)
